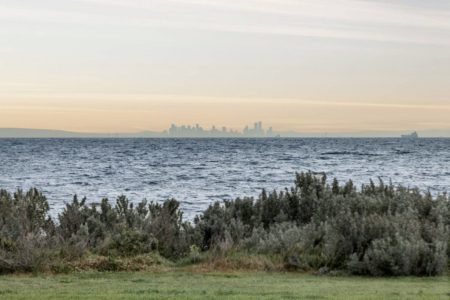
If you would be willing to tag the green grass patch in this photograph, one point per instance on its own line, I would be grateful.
(235, 285)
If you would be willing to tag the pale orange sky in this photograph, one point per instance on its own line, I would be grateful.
(133, 113)
(309, 66)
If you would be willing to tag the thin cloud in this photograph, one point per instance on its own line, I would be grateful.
(340, 19)
(337, 10)
(210, 100)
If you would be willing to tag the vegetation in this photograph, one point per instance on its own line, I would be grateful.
(182, 285)
(378, 230)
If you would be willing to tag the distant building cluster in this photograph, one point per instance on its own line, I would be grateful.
(257, 131)
(198, 131)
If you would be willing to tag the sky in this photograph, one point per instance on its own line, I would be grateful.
(308, 66)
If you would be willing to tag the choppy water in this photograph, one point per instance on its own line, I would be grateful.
(200, 171)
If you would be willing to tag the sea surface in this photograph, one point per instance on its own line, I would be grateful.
(198, 172)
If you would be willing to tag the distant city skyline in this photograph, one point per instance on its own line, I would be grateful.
(198, 131)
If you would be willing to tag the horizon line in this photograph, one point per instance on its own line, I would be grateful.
(427, 133)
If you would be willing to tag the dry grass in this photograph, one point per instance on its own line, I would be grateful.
(238, 262)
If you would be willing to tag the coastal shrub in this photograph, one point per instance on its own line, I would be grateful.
(219, 228)
(378, 229)
(126, 230)
(166, 225)
(26, 232)
(278, 239)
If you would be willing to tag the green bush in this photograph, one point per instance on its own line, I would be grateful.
(377, 230)
(26, 233)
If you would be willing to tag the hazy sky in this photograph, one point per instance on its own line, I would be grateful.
(310, 66)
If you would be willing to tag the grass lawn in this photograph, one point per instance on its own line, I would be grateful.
(184, 285)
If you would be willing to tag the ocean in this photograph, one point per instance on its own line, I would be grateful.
(198, 172)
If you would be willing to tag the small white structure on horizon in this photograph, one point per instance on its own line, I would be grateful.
(411, 136)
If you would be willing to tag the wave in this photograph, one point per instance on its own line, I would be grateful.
(355, 153)
(400, 152)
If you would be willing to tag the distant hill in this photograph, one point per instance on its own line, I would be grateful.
(45, 133)
(35, 133)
